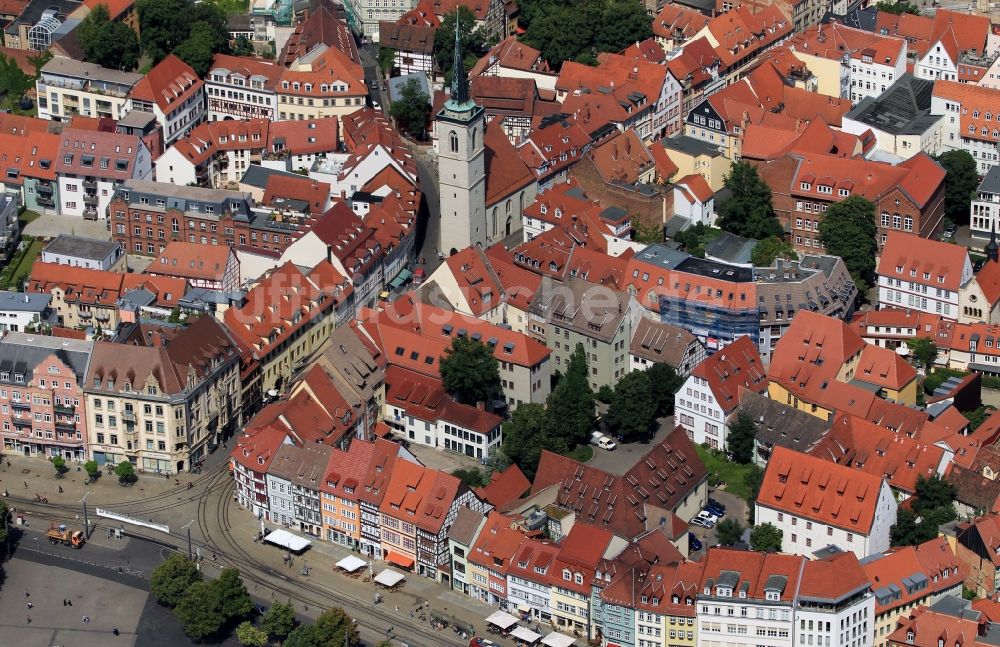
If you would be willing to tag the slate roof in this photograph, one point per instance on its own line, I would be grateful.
(903, 109)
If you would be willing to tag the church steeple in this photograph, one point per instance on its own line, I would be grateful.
(459, 79)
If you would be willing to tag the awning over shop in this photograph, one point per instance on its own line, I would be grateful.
(525, 634)
(558, 640)
(502, 619)
(351, 564)
(399, 560)
(401, 279)
(287, 540)
(389, 578)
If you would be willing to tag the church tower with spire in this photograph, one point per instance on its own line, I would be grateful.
(461, 164)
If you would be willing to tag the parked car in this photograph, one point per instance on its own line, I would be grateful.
(715, 504)
(482, 642)
(595, 438)
(607, 443)
(716, 510)
(702, 522)
(708, 516)
(694, 544)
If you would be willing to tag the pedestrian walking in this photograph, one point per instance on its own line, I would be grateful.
(69, 602)
(114, 630)
(86, 619)
(64, 602)
(25, 485)
(28, 619)
(397, 608)
(27, 593)
(30, 605)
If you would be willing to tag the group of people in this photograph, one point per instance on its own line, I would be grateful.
(85, 619)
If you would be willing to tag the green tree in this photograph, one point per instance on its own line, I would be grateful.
(695, 238)
(623, 23)
(524, 438)
(906, 531)
(233, 595)
(960, 184)
(59, 463)
(897, 7)
(171, 579)
(338, 628)
(163, 26)
(107, 42)
(924, 351)
(200, 610)
(564, 32)
(470, 372)
(742, 438)
(251, 636)
(632, 410)
(753, 480)
(472, 477)
(848, 231)
(748, 211)
(199, 48)
(978, 416)
(124, 469)
(473, 43)
(729, 532)
(604, 394)
(242, 47)
(410, 110)
(933, 493)
(766, 538)
(647, 234)
(664, 382)
(386, 59)
(570, 405)
(91, 468)
(14, 83)
(305, 636)
(766, 251)
(279, 620)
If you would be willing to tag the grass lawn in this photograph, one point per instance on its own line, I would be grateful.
(23, 268)
(27, 217)
(582, 453)
(732, 473)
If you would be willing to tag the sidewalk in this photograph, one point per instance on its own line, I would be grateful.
(322, 557)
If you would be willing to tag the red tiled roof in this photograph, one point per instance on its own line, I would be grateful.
(256, 447)
(755, 571)
(506, 173)
(872, 449)
(905, 253)
(932, 558)
(736, 32)
(832, 578)
(419, 495)
(504, 487)
(248, 67)
(283, 187)
(115, 7)
(677, 22)
(697, 186)
(923, 627)
(621, 158)
(169, 84)
(832, 40)
(191, 261)
(732, 368)
(988, 279)
(976, 102)
(811, 488)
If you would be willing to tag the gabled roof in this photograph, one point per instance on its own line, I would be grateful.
(504, 487)
(249, 68)
(169, 84)
(191, 261)
(420, 495)
(506, 173)
(908, 257)
(621, 158)
(736, 367)
(884, 369)
(739, 33)
(809, 487)
(626, 505)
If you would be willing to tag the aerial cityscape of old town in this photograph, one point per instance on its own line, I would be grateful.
(500, 323)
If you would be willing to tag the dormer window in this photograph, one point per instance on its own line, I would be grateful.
(578, 578)
(772, 596)
(566, 574)
(805, 186)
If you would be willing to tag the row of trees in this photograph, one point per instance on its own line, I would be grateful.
(195, 32)
(638, 399)
(564, 423)
(765, 538)
(577, 30)
(932, 507)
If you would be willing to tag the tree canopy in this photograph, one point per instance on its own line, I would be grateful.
(233, 596)
(924, 351)
(960, 184)
(729, 532)
(632, 410)
(334, 628)
(848, 230)
(172, 578)
(748, 211)
(932, 507)
(897, 7)
(194, 32)
(567, 30)
(200, 610)
(524, 438)
(14, 83)
(251, 636)
(279, 620)
(766, 538)
(473, 41)
(107, 42)
(411, 108)
(766, 251)
(695, 238)
(664, 382)
(470, 372)
(742, 438)
(570, 410)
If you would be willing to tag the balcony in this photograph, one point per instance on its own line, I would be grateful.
(46, 202)
(90, 184)
(62, 425)
(128, 416)
(24, 423)
(86, 314)
(102, 315)
(90, 198)
(45, 188)
(90, 213)
(20, 406)
(64, 408)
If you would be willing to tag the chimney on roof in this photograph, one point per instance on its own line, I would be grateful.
(329, 254)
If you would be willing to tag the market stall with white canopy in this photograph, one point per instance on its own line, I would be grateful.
(287, 540)
(556, 639)
(502, 620)
(389, 578)
(351, 564)
(525, 634)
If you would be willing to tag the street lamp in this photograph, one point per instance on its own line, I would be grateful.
(86, 519)
(188, 528)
